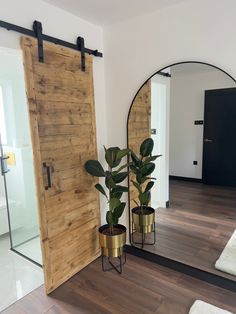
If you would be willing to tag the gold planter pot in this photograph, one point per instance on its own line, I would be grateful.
(143, 223)
(112, 245)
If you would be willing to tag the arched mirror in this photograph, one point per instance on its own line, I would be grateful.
(189, 111)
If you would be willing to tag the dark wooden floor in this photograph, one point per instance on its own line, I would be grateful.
(197, 226)
(143, 288)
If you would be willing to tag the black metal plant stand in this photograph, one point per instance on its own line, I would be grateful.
(143, 236)
(118, 267)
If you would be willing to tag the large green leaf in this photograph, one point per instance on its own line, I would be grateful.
(152, 158)
(123, 167)
(94, 168)
(119, 177)
(136, 161)
(122, 153)
(139, 177)
(134, 169)
(111, 156)
(147, 169)
(146, 147)
(144, 198)
(109, 181)
(100, 188)
(120, 188)
(115, 219)
(117, 194)
(118, 211)
(144, 179)
(114, 202)
(149, 186)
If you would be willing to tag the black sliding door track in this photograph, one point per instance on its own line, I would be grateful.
(36, 32)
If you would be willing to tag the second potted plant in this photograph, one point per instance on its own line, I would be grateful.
(143, 216)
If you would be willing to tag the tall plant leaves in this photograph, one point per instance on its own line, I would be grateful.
(115, 219)
(136, 161)
(122, 153)
(109, 217)
(152, 158)
(146, 147)
(147, 169)
(114, 202)
(144, 198)
(117, 194)
(120, 188)
(149, 186)
(144, 179)
(111, 156)
(123, 167)
(100, 188)
(119, 177)
(94, 168)
(139, 177)
(134, 169)
(118, 211)
(109, 182)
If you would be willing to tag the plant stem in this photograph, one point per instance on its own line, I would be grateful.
(111, 225)
(141, 203)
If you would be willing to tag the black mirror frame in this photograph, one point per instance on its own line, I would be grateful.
(164, 261)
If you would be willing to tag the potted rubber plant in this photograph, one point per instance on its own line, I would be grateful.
(112, 236)
(142, 166)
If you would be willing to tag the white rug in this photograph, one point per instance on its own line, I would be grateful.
(227, 259)
(200, 307)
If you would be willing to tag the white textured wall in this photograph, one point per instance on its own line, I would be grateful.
(200, 30)
(188, 84)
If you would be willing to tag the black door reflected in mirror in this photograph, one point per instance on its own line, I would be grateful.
(189, 110)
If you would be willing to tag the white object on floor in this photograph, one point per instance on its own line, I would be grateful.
(200, 307)
(227, 259)
(18, 276)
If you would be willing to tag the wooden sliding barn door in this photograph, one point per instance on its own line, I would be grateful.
(61, 110)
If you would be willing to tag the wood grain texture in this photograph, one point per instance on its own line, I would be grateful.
(197, 226)
(62, 118)
(139, 127)
(144, 287)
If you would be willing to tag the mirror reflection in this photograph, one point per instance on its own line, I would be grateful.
(189, 111)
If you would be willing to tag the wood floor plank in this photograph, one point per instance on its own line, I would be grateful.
(143, 288)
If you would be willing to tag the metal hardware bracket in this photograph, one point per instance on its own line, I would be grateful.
(80, 44)
(37, 27)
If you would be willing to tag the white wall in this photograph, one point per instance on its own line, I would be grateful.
(63, 25)
(188, 84)
(200, 30)
(160, 108)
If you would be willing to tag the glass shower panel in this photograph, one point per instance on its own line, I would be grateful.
(20, 180)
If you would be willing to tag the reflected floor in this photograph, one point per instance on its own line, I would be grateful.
(197, 226)
(31, 249)
(18, 276)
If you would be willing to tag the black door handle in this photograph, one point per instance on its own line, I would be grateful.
(207, 140)
(4, 168)
(48, 172)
